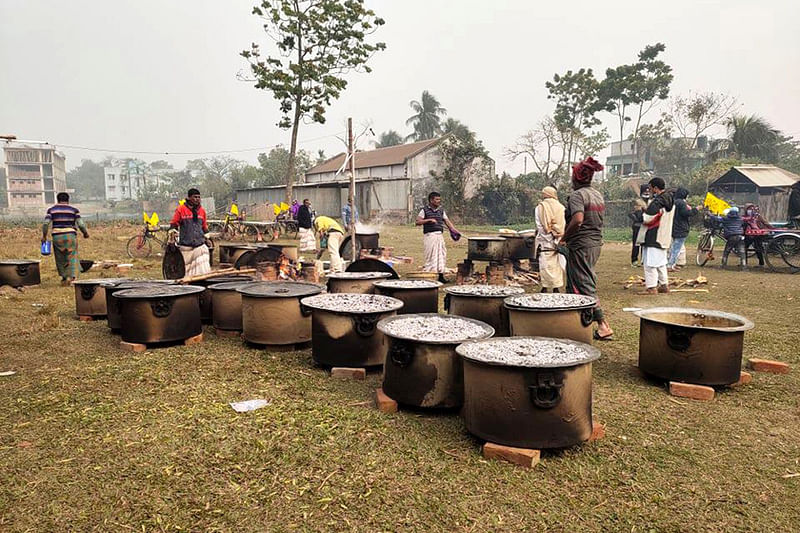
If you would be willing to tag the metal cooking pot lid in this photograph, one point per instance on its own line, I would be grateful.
(486, 291)
(433, 328)
(343, 302)
(550, 302)
(280, 289)
(267, 254)
(231, 285)
(16, 262)
(134, 283)
(173, 265)
(371, 265)
(158, 291)
(358, 275)
(528, 352)
(101, 281)
(247, 259)
(656, 314)
(222, 279)
(493, 239)
(407, 284)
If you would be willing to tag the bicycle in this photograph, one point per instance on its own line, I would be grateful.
(233, 227)
(140, 246)
(287, 226)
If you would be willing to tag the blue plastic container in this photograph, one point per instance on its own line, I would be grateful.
(47, 247)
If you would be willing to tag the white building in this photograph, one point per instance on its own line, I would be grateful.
(34, 173)
(126, 182)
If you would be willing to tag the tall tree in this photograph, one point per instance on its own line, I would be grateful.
(275, 164)
(459, 130)
(389, 138)
(578, 100)
(318, 42)
(546, 145)
(754, 137)
(88, 180)
(426, 119)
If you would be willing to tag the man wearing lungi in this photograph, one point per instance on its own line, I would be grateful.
(189, 222)
(584, 238)
(304, 219)
(64, 219)
(549, 218)
(433, 219)
(332, 234)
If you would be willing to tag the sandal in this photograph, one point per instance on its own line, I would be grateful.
(596, 336)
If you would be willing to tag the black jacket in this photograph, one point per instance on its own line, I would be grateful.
(794, 203)
(304, 217)
(665, 200)
(680, 224)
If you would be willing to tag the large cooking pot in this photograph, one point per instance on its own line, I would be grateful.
(699, 346)
(272, 313)
(364, 241)
(528, 392)
(354, 282)
(344, 328)
(154, 314)
(486, 249)
(19, 272)
(422, 368)
(562, 316)
(288, 250)
(226, 304)
(205, 296)
(520, 245)
(417, 295)
(111, 286)
(481, 302)
(90, 296)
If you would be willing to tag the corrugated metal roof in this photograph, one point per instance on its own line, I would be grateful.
(381, 157)
(768, 175)
(321, 184)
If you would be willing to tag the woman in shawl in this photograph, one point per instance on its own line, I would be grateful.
(550, 224)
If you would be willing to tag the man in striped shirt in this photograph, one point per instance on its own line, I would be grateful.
(65, 220)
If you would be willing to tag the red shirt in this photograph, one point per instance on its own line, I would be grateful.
(192, 225)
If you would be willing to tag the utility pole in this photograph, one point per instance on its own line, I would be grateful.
(352, 196)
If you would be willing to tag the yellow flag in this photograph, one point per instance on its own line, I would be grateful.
(714, 204)
(284, 206)
(182, 201)
(234, 210)
(154, 219)
(145, 217)
(276, 209)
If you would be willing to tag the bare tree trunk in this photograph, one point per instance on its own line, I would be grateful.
(292, 153)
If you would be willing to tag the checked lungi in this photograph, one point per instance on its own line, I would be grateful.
(65, 251)
(197, 260)
(581, 278)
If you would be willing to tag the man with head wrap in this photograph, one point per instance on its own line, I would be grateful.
(584, 238)
(550, 223)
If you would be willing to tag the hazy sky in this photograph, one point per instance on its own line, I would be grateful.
(156, 75)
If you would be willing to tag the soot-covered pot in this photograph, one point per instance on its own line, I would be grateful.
(422, 368)
(562, 316)
(481, 302)
(528, 392)
(154, 314)
(699, 346)
(487, 249)
(273, 315)
(354, 282)
(417, 295)
(19, 272)
(90, 296)
(520, 246)
(205, 296)
(111, 286)
(226, 304)
(345, 329)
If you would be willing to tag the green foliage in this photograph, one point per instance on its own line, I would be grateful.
(459, 158)
(318, 42)
(88, 180)
(389, 138)
(459, 130)
(505, 200)
(578, 99)
(274, 166)
(754, 137)
(427, 118)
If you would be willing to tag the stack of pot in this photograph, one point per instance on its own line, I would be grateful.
(481, 302)
(560, 316)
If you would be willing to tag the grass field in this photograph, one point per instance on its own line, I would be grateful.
(95, 439)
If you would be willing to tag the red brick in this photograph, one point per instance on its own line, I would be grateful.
(85, 318)
(132, 346)
(766, 365)
(384, 403)
(197, 339)
(690, 390)
(598, 431)
(341, 372)
(227, 333)
(518, 456)
(744, 379)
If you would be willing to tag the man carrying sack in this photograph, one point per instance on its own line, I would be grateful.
(189, 225)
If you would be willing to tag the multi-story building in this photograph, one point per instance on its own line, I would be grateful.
(126, 180)
(34, 173)
(625, 161)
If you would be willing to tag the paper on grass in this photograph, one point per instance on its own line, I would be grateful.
(7, 373)
(248, 405)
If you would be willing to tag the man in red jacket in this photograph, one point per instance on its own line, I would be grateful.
(189, 223)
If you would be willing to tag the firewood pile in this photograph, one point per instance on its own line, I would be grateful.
(698, 284)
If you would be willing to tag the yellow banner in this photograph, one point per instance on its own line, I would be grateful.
(234, 210)
(715, 205)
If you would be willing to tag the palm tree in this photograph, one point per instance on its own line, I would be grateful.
(459, 130)
(426, 121)
(754, 137)
(389, 138)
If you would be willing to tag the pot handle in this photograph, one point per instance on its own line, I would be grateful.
(447, 302)
(679, 339)
(365, 324)
(482, 245)
(304, 309)
(87, 291)
(22, 270)
(530, 242)
(587, 316)
(161, 308)
(401, 353)
(546, 391)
